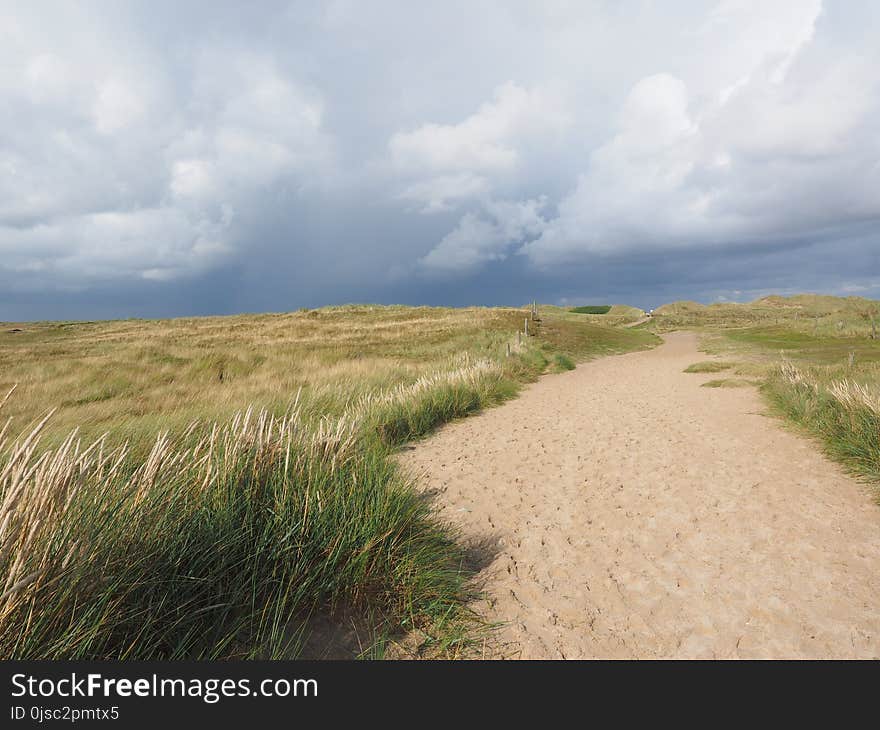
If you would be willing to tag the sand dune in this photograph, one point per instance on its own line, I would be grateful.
(624, 511)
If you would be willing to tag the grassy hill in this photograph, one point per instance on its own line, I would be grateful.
(806, 313)
(615, 316)
(204, 486)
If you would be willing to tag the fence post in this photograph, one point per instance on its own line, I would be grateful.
(526, 328)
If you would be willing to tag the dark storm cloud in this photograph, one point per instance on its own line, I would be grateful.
(161, 159)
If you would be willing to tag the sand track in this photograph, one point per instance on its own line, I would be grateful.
(624, 511)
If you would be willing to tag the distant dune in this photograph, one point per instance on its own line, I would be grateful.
(680, 307)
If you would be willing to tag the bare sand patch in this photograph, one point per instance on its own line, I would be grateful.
(628, 512)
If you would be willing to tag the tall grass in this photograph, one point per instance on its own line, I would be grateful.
(409, 410)
(221, 538)
(834, 406)
(212, 546)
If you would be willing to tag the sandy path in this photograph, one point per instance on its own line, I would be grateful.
(632, 513)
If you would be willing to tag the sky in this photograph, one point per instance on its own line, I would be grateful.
(164, 158)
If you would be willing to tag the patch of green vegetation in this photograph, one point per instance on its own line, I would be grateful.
(728, 383)
(592, 309)
(563, 362)
(708, 366)
(817, 316)
(806, 347)
(216, 549)
(580, 340)
(843, 412)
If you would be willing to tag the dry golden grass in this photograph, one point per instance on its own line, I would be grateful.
(808, 314)
(243, 480)
(838, 403)
(133, 378)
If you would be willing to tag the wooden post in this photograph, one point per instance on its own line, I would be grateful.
(508, 349)
(526, 328)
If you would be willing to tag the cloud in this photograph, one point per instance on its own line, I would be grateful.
(157, 244)
(441, 193)
(757, 163)
(162, 158)
(452, 162)
(480, 238)
(116, 106)
(488, 140)
(117, 165)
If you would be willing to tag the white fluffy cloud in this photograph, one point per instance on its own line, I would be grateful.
(310, 154)
(762, 160)
(442, 192)
(745, 138)
(452, 162)
(488, 236)
(156, 244)
(489, 140)
(117, 165)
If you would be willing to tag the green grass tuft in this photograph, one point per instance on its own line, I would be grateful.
(727, 383)
(839, 406)
(563, 362)
(708, 366)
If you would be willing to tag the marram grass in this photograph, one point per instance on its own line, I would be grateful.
(839, 406)
(221, 538)
(212, 545)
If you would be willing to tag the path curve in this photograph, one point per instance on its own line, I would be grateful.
(628, 512)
